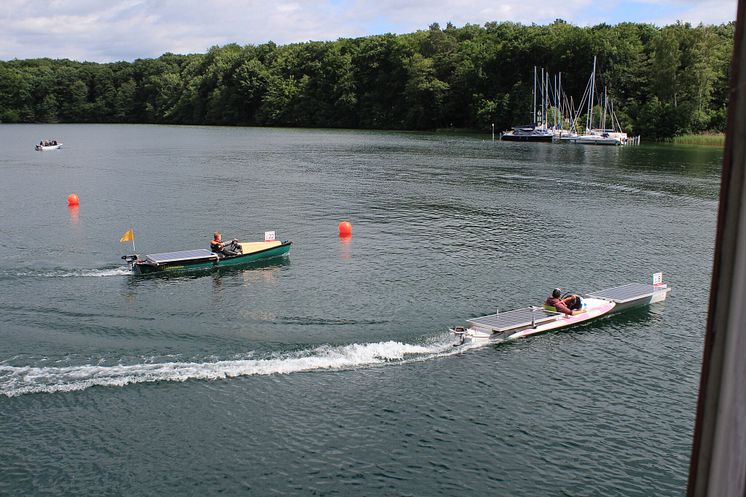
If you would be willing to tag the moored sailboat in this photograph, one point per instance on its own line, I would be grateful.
(536, 131)
(602, 135)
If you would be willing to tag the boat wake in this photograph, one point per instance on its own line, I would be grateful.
(20, 380)
(95, 273)
(67, 273)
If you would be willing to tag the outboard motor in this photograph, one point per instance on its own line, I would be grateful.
(460, 334)
(130, 260)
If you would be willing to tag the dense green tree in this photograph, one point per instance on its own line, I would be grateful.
(380, 75)
(664, 67)
(15, 95)
(663, 81)
(425, 94)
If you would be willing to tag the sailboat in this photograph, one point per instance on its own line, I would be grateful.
(534, 132)
(602, 135)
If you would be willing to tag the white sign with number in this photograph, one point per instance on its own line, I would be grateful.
(269, 236)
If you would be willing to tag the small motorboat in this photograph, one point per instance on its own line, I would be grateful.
(191, 260)
(528, 321)
(43, 148)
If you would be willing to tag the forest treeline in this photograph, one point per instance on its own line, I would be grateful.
(664, 81)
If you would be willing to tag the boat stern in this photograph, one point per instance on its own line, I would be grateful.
(465, 335)
(131, 260)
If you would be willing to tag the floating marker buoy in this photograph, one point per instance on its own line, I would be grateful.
(72, 200)
(345, 228)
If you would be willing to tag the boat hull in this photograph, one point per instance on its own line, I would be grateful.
(591, 140)
(42, 148)
(526, 138)
(564, 321)
(144, 267)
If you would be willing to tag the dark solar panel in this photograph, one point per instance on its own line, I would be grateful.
(183, 255)
(514, 319)
(624, 293)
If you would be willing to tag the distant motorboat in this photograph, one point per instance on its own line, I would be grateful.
(42, 148)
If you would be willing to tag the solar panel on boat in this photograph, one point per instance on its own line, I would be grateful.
(624, 293)
(517, 318)
(183, 255)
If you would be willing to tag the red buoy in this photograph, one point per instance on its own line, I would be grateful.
(345, 228)
(72, 200)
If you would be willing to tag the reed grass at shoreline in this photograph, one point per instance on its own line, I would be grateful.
(707, 139)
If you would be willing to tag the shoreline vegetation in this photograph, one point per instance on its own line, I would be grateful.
(702, 139)
(666, 82)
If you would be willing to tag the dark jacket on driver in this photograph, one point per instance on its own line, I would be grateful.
(558, 304)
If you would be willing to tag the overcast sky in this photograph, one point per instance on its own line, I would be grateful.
(111, 30)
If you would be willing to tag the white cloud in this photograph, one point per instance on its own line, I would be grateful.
(702, 11)
(421, 13)
(127, 29)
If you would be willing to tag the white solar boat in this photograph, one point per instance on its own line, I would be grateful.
(533, 320)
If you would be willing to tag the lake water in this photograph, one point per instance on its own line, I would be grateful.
(331, 372)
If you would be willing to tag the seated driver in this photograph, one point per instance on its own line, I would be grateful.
(569, 305)
(230, 249)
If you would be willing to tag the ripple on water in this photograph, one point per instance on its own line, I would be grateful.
(330, 372)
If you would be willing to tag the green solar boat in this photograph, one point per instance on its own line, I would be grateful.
(191, 260)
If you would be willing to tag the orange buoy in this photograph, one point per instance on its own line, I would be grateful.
(345, 228)
(72, 200)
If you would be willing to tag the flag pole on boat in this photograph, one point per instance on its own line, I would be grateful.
(129, 236)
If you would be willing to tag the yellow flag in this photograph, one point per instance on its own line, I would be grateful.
(128, 236)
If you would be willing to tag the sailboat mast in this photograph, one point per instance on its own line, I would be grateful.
(589, 119)
(559, 100)
(543, 99)
(549, 102)
(546, 100)
(533, 116)
(555, 101)
(606, 102)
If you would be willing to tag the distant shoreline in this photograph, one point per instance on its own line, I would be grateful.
(707, 139)
(664, 82)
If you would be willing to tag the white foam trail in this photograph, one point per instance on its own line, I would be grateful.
(117, 271)
(20, 380)
(82, 273)
(98, 273)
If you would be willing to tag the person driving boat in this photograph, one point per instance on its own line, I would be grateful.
(569, 305)
(230, 249)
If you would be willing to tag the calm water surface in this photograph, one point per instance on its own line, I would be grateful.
(331, 372)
